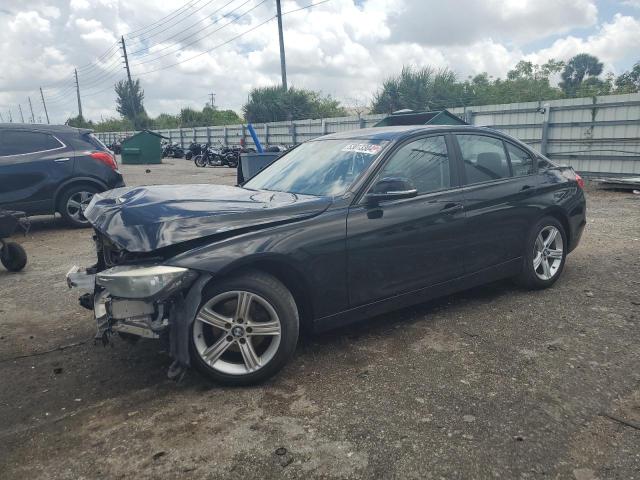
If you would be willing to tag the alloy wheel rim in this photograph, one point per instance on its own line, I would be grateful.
(76, 205)
(237, 332)
(547, 253)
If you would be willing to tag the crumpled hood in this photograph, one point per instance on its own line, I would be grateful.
(143, 219)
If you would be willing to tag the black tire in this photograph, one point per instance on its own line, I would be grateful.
(188, 155)
(199, 161)
(69, 215)
(280, 299)
(13, 257)
(530, 277)
(232, 163)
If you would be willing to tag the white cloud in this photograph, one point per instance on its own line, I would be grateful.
(614, 42)
(343, 47)
(460, 22)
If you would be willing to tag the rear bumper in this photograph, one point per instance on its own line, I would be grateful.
(577, 222)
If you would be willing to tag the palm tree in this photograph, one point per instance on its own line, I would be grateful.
(581, 66)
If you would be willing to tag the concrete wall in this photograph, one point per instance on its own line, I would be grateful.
(594, 134)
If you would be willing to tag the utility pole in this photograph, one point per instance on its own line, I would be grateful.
(283, 66)
(21, 116)
(126, 65)
(44, 105)
(213, 100)
(78, 93)
(33, 118)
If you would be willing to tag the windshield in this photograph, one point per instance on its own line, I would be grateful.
(320, 167)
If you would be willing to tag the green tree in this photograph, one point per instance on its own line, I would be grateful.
(274, 104)
(418, 89)
(114, 125)
(577, 69)
(79, 122)
(130, 103)
(629, 82)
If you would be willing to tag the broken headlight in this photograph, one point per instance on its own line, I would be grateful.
(143, 281)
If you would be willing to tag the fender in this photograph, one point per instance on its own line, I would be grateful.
(93, 181)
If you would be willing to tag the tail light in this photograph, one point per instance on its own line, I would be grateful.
(579, 180)
(106, 158)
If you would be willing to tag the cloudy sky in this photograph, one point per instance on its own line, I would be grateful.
(182, 50)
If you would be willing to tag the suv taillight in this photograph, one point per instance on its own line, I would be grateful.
(580, 181)
(106, 158)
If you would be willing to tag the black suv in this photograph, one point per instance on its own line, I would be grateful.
(53, 168)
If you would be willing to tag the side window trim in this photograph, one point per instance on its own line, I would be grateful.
(533, 158)
(62, 144)
(453, 173)
(463, 173)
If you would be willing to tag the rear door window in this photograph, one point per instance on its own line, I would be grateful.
(521, 161)
(484, 158)
(20, 142)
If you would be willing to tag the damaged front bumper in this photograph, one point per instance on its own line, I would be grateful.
(167, 312)
(146, 318)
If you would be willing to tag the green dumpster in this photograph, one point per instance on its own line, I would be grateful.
(142, 148)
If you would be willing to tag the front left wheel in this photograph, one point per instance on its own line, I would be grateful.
(246, 329)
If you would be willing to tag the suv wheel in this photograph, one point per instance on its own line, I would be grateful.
(73, 202)
(246, 329)
(545, 255)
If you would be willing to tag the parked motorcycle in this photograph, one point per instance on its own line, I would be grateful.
(194, 149)
(116, 147)
(173, 150)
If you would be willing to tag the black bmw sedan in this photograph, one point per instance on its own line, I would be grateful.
(340, 228)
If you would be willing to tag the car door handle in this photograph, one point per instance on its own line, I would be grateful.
(452, 207)
(62, 160)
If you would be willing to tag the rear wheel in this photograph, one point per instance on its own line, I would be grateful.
(199, 161)
(246, 329)
(73, 202)
(545, 254)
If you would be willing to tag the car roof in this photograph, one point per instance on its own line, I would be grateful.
(395, 132)
(41, 127)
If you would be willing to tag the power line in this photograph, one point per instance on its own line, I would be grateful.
(232, 38)
(184, 46)
(163, 21)
(185, 29)
(183, 19)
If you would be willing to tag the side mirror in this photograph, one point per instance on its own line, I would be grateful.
(391, 188)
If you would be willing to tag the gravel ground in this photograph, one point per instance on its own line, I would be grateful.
(495, 382)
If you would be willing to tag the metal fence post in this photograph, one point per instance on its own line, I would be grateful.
(324, 127)
(361, 122)
(544, 140)
(266, 134)
(181, 138)
(293, 133)
(224, 136)
(468, 114)
(208, 135)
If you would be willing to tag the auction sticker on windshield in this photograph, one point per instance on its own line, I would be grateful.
(368, 148)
